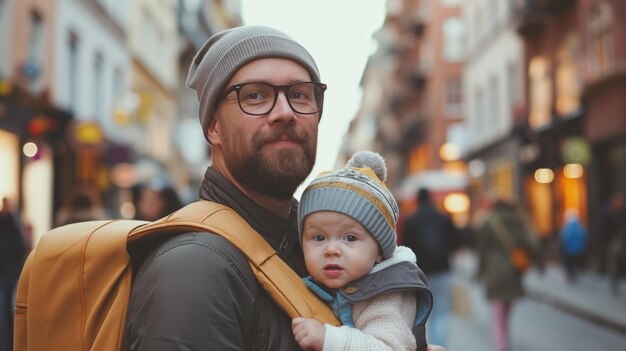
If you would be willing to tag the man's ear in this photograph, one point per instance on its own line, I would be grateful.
(213, 132)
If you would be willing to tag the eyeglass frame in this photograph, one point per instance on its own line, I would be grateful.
(277, 89)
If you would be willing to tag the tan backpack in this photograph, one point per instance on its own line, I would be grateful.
(74, 289)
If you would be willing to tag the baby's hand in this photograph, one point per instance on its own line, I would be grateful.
(309, 333)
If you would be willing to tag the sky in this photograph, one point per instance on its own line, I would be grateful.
(338, 34)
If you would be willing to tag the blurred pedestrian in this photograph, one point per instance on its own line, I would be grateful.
(613, 221)
(503, 231)
(615, 241)
(82, 205)
(484, 206)
(13, 251)
(433, 238)
(156, 202)
(573, 237)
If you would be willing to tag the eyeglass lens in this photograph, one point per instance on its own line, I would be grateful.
(260, 98)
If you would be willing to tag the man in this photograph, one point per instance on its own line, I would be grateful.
(433, 237)
(260, 101)
(13, 251)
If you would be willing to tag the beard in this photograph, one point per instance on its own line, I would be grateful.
(277, 175)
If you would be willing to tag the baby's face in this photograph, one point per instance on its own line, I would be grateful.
(337, 249)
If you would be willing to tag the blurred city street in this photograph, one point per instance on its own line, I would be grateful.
(505, 109)
(553, 316)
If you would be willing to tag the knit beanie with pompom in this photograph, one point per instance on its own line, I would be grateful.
(357, 190)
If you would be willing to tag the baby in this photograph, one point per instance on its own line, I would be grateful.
(347, 222)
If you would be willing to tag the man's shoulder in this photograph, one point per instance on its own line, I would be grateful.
(197, 251)
(193, 254)
(201, 243)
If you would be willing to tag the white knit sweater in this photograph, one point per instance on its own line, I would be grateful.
(382, 323)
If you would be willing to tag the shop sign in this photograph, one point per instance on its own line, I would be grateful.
(86, 135)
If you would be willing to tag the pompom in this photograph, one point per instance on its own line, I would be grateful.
(372, 160)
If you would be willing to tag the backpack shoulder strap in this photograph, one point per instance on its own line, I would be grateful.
(286, 288)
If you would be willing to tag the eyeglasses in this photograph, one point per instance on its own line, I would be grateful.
(258, 98)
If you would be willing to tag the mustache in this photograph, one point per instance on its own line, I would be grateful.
(292, 133)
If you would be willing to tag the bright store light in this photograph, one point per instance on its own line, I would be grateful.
(449, 152)
(573, 170)
(544, 176)
(30, 149)
(456, 202)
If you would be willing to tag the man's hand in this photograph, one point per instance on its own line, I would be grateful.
(309, 333)
(435, 348)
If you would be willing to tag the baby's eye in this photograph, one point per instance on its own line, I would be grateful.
(351, 238)
(318, 237)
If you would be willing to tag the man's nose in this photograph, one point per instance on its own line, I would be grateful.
(281, 111)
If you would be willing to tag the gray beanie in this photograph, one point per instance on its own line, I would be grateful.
(357, 190)
(227, 51)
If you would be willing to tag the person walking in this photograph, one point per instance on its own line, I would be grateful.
(156, 202)
(573, 237)
(13, 251)
(83, 204)
(260, 101)
(433, 237)
(503, 230)
(613, 223)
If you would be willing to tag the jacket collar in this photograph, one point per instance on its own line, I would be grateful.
(280, 233)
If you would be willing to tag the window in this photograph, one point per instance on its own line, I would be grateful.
(98, 89)
(494, 103)
(453, 98)
(492, 9)
(454, 39)
(32, 68)
(478, 25)
(568, 84)
(73, 71)
(540, 92)
(479, 111)
(152, 40)
(599, 28)
(512, 85)
(37, 40)
(120, 114)
(118, 86)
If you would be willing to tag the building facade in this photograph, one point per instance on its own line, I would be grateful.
(32, 140)
(412, 110)
(575, 63)
(494, 96)
(92, 95)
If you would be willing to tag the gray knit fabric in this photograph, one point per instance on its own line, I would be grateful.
(358, 193)
(227, 51)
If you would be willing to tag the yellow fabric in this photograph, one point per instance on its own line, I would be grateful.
(74, 289)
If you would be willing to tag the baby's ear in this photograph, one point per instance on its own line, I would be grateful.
(379, 258)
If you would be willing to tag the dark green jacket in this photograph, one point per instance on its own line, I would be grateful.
(502, 281)
(196, 291)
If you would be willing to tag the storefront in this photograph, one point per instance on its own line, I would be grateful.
(33, 156)
(605, 129)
